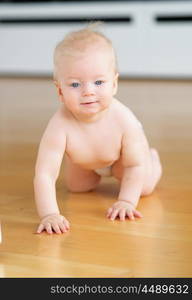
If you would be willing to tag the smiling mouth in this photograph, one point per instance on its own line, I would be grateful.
(88, 103)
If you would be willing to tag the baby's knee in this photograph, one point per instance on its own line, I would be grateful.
(81, 187)
(147, 190)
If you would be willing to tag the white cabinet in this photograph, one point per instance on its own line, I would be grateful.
(152, 39)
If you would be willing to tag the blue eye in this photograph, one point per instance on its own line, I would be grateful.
(98, 82)
(75, 84)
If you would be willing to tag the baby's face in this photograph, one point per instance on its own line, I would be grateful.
(87, 82)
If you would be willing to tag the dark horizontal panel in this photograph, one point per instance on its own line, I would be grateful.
(63, 1)
(173, 18)
(21, 21)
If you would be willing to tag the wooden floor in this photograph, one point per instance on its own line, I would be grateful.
(159, 245)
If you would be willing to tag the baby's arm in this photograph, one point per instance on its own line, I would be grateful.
(50, 154)
(133, 177)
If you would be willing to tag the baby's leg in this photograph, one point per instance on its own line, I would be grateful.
(153, 174)
(78, 179)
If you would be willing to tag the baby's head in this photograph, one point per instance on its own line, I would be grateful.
(79, 43)
(85, 69)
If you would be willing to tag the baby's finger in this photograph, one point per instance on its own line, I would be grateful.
(130, 215)
(40, 228)
(48, 228)
(56, 228)
(114, 214)
(137, 214)
(109, 212)
(122, 214)
(63, 228)
(66, 223)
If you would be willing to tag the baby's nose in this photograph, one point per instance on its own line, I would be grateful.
(88, 89)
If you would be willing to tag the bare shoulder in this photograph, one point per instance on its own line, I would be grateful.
(59, 119)
(56, 128)
(125, 116)
(134, 140)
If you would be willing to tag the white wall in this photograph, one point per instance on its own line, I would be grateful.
(144, 47)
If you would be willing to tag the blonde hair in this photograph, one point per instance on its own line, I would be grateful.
(76, 42)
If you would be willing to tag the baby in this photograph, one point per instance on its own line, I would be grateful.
(97, 134)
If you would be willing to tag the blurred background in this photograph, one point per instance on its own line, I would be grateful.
(152, 38)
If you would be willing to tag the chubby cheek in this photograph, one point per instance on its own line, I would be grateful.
(105, 101)
(70, 99)
(106, 97)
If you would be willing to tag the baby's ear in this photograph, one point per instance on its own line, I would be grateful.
(59, 90)
(115, 84)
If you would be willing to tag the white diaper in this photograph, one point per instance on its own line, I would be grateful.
(106, 172)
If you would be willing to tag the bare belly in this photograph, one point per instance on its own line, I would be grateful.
(92, 163)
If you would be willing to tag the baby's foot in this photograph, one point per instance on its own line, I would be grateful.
(156, 163)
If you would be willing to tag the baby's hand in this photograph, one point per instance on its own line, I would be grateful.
(123, 209)
(53, 223)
